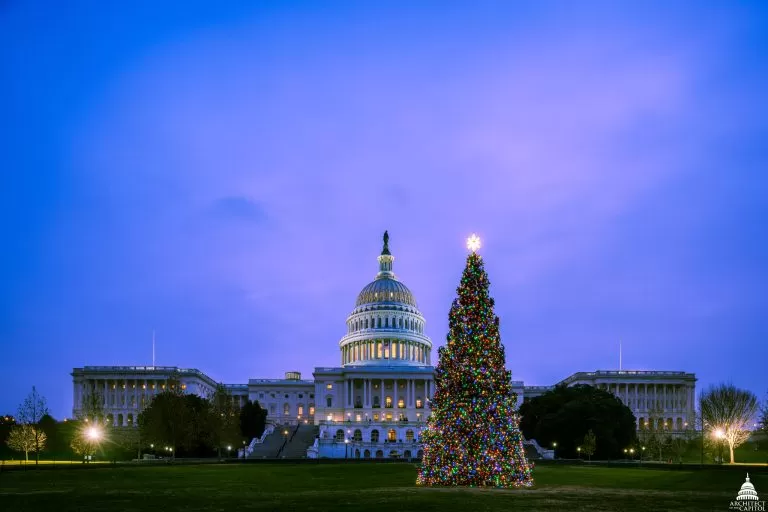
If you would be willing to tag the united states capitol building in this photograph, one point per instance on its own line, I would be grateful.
(376, 402)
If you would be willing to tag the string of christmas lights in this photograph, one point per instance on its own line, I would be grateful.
(472, 437)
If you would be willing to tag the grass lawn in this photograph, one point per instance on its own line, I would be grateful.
(368, 487)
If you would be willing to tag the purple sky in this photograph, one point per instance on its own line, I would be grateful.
(223, 175)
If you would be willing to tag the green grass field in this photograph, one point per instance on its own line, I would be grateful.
(364, 486)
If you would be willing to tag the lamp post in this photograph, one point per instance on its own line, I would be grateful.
(93, 436)
(346, 449)
(719, 435)
(579, 451)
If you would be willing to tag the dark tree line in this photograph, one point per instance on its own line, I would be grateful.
(579, 417)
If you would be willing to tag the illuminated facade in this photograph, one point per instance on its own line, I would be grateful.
(376, 402)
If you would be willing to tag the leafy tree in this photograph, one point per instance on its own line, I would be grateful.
(31, 411)
(589, 444)
(225, 420)
(727, 412)
(163, 422)
(181, 421)
(253, 420)
(26, 438)
(565, 414)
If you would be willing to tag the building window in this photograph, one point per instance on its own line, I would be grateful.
(419, 404)
(339, 435)
(391, 435)
(301, 395)
(374, 436)
(272, 409)
(261, 395)
(357, 436)
(401, 404)
(329, 386)
(301, 410)
(376, 417)
(311, 410)
(311, 395)
(286, 396)
(376, 402)
(388, 402)
(329, 402)
(409, 435)
(358, 417)
(286, 409)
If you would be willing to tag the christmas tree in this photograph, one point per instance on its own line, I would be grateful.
(472, 437)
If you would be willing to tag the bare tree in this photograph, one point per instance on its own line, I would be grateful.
(26, 438)
(726, 412)
(589, 444)
(31, 411)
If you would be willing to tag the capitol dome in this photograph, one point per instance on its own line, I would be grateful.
(386, 326)
(385, 289)
(747, 491)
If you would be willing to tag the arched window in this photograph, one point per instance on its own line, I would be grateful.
(119, 420)
(374, 436)
(367, 454)
(329, 401)
(366, 323)
(376, 402)
(378, 322)
(357, 453)
(391, 435)
(339, 436)
(400, 323)
(407, 454)
(409, 436)
(386, 322)
(357, 436)
(379, 454)
(388, 402)
(286, 409)
(300, 410)
(311, 409)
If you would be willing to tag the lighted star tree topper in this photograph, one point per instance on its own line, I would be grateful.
(472, 437)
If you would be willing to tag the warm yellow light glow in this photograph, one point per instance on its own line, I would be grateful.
(473, 242)
(719, 433)
(93, 433)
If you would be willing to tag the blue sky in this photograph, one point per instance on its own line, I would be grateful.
(222, 173)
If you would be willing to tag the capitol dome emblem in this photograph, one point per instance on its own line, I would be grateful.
(747, 499)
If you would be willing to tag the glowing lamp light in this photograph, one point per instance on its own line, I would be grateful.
(93, 433)
(473, 242)
(719, 433)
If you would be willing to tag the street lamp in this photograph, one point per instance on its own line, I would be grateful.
(719, 435)
(346, 448)
(579, 450)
